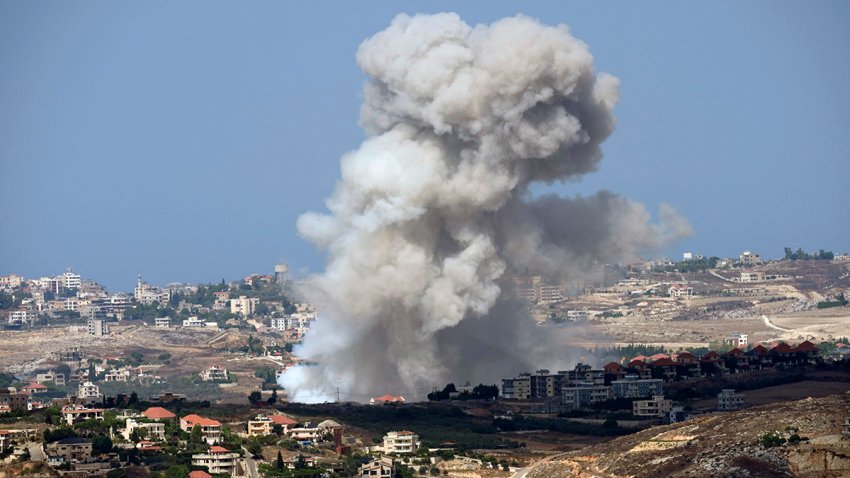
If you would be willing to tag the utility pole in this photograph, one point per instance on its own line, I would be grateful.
(337, 394)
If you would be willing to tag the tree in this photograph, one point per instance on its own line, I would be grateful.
(255, 397)
(195, 436)
(273, 399)
(279, 463)
(92, 372)
(101, 444)
(133, 400)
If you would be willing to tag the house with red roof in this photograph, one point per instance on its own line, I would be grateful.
(217, 460)
(33, 388)
(738, 361)
(806, 351)
(199, 474)
(639, 368)
(158, 414)
(664, 368)
(210, 429)
(713, 364)
(613, 371)
(386, 400)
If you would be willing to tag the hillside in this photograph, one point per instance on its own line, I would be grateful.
(722, 445)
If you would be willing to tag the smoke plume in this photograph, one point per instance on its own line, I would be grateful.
(432, 213)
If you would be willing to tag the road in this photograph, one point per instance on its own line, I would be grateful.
(250, 465)
(715, 274)
(770, 324)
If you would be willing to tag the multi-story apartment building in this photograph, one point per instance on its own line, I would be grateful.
(729, 399)
(657, 406)
(78, 413)
(633, 387)
(70, 449)
(11, 281)
(518, 388)
(88, 392)
(749, 258)
(152, 430)
(71, 280)
(401, 442)
(218, 460)
(244, 306)
(162, 322)
(98, 327)
(581, 395)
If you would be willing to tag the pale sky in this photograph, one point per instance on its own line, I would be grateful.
(183, 139)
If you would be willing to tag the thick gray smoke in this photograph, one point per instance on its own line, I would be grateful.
(433, 214)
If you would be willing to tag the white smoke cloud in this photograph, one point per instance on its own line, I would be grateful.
(432, 211)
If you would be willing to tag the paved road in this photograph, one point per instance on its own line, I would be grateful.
(250, 465)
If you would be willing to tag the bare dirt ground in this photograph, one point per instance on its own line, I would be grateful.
(781, 393)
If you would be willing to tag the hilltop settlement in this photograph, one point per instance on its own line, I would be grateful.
(182, 380)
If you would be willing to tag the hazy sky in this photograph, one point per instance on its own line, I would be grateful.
(183, 139)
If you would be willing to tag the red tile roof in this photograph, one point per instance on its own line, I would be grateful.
(155, 413)
(782, 348)
(199, 474)
(194, 419)
(637, 363)
(282, 420)
(36, 386)
(806, 347)
(759, 350)
(613, 366)
(389, 398)
(685, 355)
(736, 351)
(663, 362)
(710, 357)
(218, 449)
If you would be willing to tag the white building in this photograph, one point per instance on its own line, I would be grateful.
(147, 294)
(243, 305)
(152, 430)
(70, 280)
(401, 442)
(738, 340)
(681, 291)
(217, 460)
(194, 322)
(88, 392)
(214, 373)
(728, 399)
(162, 322)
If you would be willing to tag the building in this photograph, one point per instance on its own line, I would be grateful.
(752, 276)
(162, 322)
(217, 460)
(98, 327)
(547, 294)
(158, 414)
(309, 433)
(210, 429)
(194, 322)
(386, 400)
(738, 340)
(748, 258)
(199, 474)
(576, 397)
(728, 399)
(401, 442)
(147, 294)
(681, 291)
(70, 449)
(34, 388)
(633, 387)
(657, 406)
(215, 373)
(11, 281)
(88, 392)
(243, 305)
(280, 273)
(77, 413)
(151, 430)
(382, 467)
(678, 414)
(583, 373)
(22, 316)
(51, 377)
(13, 399)
(264, 425)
